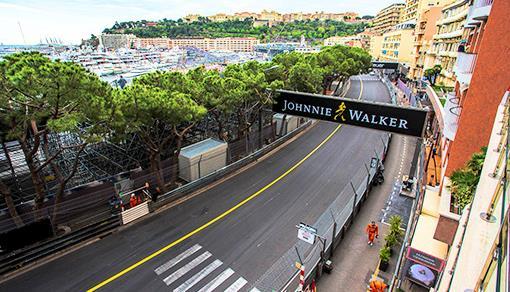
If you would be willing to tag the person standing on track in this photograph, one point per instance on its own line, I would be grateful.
(377, 286)
(373, 232)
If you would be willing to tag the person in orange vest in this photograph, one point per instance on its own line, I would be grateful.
(373, 232)
(377, 286)
(132, 201)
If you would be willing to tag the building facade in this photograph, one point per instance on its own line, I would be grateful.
(275, 17)
(117, 41)
(423, 36)
(473, 114)
(387, 18)
(361, 40)
(397, 44)
(449, 33)
(206, 44)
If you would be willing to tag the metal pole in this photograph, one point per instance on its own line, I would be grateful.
(333, 239)
(334, 233)
(355, 198)
(384, 145)
(299, 256)
(260, 129)
(502, 220)
(368, 176)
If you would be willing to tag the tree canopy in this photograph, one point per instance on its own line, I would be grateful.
(40, 97)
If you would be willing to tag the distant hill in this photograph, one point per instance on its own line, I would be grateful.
(311, 29)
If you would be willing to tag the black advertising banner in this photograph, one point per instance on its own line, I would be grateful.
(422, 268)
(380, 116)
(385, 65)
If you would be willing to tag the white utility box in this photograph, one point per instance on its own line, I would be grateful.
(202, 158)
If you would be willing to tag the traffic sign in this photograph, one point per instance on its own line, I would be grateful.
(307, 233)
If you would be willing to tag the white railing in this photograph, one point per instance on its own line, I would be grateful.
(482, 3)
(465, 63)
(452, 111)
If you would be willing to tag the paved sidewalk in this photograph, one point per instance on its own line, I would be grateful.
(354, 261)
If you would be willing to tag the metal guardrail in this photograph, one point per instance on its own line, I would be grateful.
(393, 93)
(18, 259)
(331, 224)
(205, 180)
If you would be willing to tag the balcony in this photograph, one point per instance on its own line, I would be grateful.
(447, 35)
(451, 54)
(456, 17)
(436, 105)
(452, 111)
(480, 9)
(420, 31)
(464, 67)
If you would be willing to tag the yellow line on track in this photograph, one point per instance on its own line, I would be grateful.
(218, 218)
(221, 216)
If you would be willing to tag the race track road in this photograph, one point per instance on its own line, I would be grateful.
(230, 245)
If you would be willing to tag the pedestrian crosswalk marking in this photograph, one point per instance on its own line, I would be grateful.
(237, 285)
(198, 276)
(168, 265)
(254, 290)
(180, 272)
(217, 281)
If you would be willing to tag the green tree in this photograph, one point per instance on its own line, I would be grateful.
(303, 77)
(432, 73)
(220, 95)
(160, 116)
(39, 97)
(256, 94)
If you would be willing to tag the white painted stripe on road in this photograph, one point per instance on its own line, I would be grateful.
(237, 285)
(198, 276)
(168, 265)
(254, 289)
(217, 281)
(180, 272)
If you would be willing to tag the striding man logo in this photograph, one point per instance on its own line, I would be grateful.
(339, 112)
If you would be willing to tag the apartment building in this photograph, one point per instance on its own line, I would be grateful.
(206, 44)
(117, 41)
(423, 36)
(376, 46)
(397, 44)
(361, 40)
(387, 18)
(474, 115)
(448, 36)
(274, 16)
(152, 43)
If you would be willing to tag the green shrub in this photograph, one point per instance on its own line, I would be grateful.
(464, 180)
(384, 254)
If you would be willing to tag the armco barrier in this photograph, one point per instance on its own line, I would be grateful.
(220, 173)
(281, 276)
(393, 93)
(28, 255)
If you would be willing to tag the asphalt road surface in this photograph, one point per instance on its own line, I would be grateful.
(208, 244)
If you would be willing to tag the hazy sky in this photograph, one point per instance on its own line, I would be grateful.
(73, 20)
